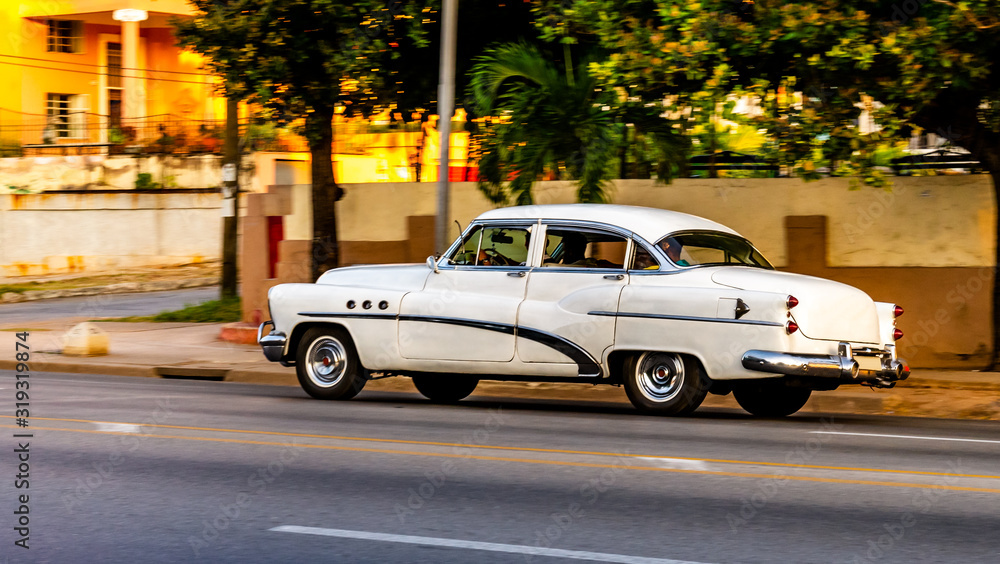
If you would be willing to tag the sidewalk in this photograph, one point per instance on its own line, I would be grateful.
(151, 279)
(193, 350)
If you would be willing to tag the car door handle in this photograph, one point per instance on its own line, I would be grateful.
(614, 277)
(517, 274)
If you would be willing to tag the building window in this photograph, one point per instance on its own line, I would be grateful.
(114, 69)
(65, 36)
(66, 117)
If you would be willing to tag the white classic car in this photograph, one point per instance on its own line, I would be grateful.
(668, 305)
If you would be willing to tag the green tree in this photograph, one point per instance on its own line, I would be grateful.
(926, 64)
(561, 122)
(301, 59)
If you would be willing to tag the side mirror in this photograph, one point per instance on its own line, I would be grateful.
(432, 263)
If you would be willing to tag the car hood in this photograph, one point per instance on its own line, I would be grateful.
(401, 277)
(827, 310)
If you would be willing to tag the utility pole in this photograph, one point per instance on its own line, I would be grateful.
(230, 198)
(446, 107)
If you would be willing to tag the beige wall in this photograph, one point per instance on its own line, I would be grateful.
(67, 233)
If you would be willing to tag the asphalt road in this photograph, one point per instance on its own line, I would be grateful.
(145, 470)
(110, 305)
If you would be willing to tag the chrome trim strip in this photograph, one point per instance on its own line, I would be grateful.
(684, 318)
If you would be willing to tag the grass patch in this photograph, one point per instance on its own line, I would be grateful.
(72, 283)
(179, 272)
(214, 311)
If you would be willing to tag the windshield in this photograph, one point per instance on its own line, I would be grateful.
(711, 248)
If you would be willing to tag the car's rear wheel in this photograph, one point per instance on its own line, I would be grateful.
(664, 383)
(327, 364)
(445, 388)
(770, 398)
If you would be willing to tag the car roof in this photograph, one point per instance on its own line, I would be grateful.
(649, 223)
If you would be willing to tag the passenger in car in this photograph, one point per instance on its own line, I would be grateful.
(673, 250)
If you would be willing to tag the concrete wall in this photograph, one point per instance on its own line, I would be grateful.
(944, 221)
(103, 172)
(100, 232)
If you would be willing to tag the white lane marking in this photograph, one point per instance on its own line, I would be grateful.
(475, 545)
(905, 437)
(118, 427)
(676, 463)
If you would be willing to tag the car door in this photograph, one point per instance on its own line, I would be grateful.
(568, 314)
(468, 309)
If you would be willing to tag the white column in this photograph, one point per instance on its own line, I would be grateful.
(132, 95)
(130, 60)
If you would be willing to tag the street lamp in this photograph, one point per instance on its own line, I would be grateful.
(130, 15)
(446, 106)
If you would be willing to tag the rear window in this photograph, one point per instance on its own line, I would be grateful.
(711, 248)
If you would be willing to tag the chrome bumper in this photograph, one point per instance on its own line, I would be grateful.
(842, 366)
(273, 343)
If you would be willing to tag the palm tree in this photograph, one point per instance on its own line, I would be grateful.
(542, 120)
(545, 120)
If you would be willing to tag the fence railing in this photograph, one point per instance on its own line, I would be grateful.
(23, 134)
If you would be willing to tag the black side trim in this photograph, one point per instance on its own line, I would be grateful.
(488, 325)
(348, 315)
(587, 366)
(684, 318)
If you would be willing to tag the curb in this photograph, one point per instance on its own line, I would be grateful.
(239, 332)
(264, 375)
(83, 368)
(120, 288)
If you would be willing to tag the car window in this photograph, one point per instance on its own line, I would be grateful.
(711, 248)
(578, 248)
(642, 259)
(493, 246)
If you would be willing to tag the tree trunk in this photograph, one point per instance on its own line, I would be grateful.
(984, 145)
(995, 311)
(231, 201)
(954, 116)
(325, 192)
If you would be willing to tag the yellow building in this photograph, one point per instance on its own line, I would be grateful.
(109, 71)
(73, 70)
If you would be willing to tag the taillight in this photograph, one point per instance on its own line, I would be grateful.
(897, 311)
(791, 302)
(792, 327)
(897, 334)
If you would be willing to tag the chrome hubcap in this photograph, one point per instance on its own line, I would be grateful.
(326, 361)
(660, 376)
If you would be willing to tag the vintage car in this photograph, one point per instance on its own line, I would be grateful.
(668, 305)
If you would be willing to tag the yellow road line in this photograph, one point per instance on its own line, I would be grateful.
(527, 449)
(534, 461)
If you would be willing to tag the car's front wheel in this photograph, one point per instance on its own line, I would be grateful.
(445, 388)
(664, 383)
(327, 364)
(770, 398)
